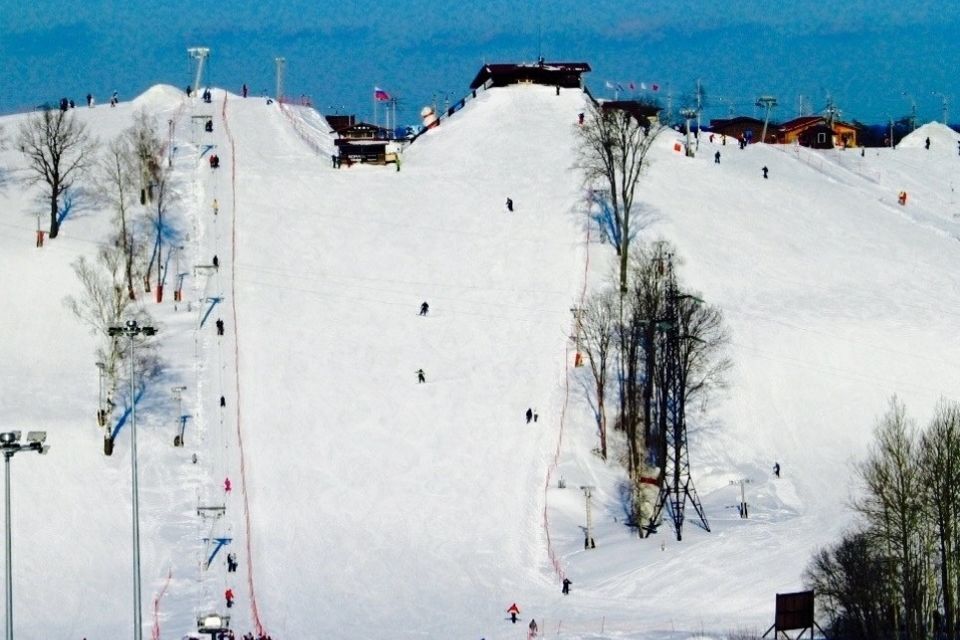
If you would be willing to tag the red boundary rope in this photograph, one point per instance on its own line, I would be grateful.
(551, 553)
(156, 606)
(254, 611)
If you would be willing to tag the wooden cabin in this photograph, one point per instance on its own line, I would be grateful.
(642, 112)
(750, 129)
(568, 75)
(815, 132)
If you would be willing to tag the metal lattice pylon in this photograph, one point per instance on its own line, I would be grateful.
(676, 484)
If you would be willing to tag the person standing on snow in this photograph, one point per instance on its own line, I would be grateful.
(529, 415)
(716, 158)
(226, 485)
(424, 308)
(228, 596)
(566, 586)
(420, 376)
(776, 469)
(509, 204)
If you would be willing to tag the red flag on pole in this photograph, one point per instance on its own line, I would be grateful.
(380, 95)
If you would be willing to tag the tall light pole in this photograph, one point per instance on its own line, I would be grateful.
(178, 394)
(743, 497)
(131, 329)
(10, 446)
(101, 418)
(588, 542)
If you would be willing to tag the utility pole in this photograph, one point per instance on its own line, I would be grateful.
(913, 110)
(831, 111)
(588, 541)
(943, 105)
(281, 62)
(699, 110)
(688, 114)
(768, 102)
(891, 133)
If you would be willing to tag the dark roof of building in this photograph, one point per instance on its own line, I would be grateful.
(634, 107)
(805, 122)
(540, 72)
(723, 122)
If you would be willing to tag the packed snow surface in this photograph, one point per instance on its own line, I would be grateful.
(364, 504)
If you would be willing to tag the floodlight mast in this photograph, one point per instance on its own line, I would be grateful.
(10, 445)
(200, 54)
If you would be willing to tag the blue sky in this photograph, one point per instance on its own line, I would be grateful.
(873, 58)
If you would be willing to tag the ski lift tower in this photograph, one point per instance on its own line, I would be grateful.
(200, 54)
(768, 103)
(281, 64)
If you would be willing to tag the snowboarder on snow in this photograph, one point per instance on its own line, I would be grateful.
(529, 415)
(509, 204)
(566, 586)
(420, 376)
(776, 469)
(424, 308)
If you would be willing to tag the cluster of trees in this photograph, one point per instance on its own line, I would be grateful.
(623, 328)
(898, 573)
(129, 178)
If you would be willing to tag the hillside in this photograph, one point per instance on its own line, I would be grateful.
(364, 504)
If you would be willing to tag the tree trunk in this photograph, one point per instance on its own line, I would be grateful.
(54, 218)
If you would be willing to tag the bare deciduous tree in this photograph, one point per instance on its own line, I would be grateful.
(614, 147)
(893, 507)
(597, 327)
(940, 469)
(58, 149)
(118, 185)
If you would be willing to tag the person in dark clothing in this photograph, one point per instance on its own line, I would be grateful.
(558, 89)
(223, 401)
(529, 415)
(89, 99)
(765, 170)
(219, 327)
(420, 376)
(231, 563)
(566, 586)
(509, 204)
(216, 262)
(926, 144)
(716, 158)
(776, 469)
(243, 89)
(533, 627)
(536, 416)
(580, 119)
(424, 308)
(209, 126)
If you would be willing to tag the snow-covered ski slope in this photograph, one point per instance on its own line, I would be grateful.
(380, 507)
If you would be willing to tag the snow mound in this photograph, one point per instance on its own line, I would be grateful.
(159, 97)
(941, 136)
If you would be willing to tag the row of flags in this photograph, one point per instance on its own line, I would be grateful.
(632, 86)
